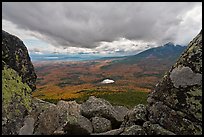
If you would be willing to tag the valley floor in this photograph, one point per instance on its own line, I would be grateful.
(79, 80)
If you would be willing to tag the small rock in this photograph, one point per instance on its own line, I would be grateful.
(28, 126)
(100, 124)
(121, 111)
(59, 131)
(48, 121)
(136, 116)
(78, 125)
(155, 129)
(134, 130)
(111, 132)
(71, 107)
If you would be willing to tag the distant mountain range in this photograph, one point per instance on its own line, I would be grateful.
(168, 51)
(166, 54)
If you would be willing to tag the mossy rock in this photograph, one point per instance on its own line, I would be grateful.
(15, 55)
(16, 99)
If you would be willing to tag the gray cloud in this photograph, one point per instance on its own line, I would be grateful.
(86, 24)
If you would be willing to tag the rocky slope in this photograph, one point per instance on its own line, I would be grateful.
(174, 107)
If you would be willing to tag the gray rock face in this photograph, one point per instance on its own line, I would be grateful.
(134, 130)
(70, 107)
(38, 107)
(100, 124)
(63, 118)
(176, 102)
(122, 111)
(47, 122)
(155, 129)
(184, 76)
(111, 132)
(101, 108)
(78, 125)
(135, 116)
(176, 121)
(28, 127)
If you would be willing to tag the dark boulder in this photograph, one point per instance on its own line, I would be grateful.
(15, 55)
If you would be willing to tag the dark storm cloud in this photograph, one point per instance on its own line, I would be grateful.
(85, 24)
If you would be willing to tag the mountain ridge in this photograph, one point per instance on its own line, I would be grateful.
(167, 51)
(166, 54)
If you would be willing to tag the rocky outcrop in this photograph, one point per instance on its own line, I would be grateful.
(176, 102)
(174, 106)
(18, 81)
(15, 55)
(102, 108)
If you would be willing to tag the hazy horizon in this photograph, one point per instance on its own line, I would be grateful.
(101, 28)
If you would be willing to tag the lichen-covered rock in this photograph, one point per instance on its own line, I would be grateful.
(48, 121)
(63, 118)
(77, 125)
(176, 102)
(134, 130)
(18, 81)
(122, 111)
(111, 132)
(173, 120)
(155, 129)
(101, 108)
(69, 107)
(71, 120)
(15, 55)
(135, 116)
(38, 107)
(16, 101)
(100, 124)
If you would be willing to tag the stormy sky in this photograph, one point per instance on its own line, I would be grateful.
(101, 27)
